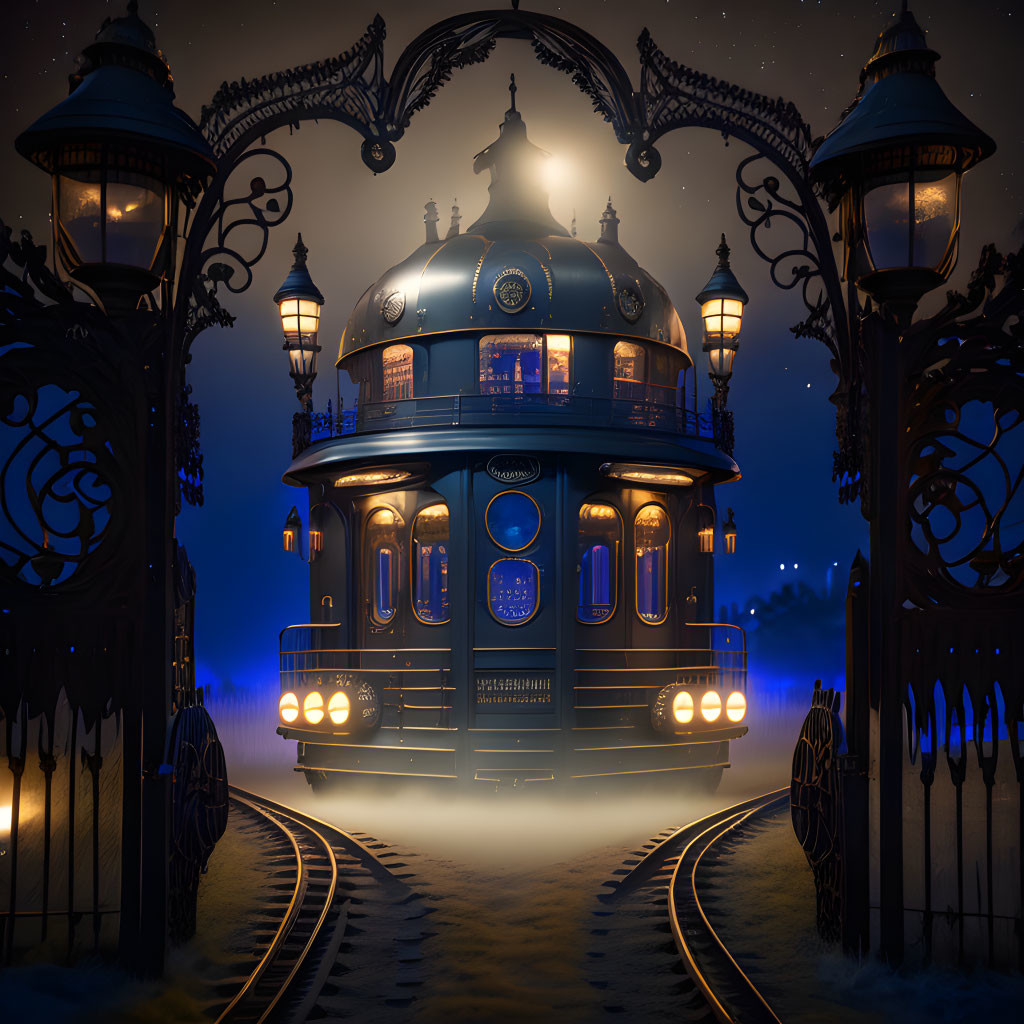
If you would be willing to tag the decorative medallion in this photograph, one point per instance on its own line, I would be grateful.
(631, 302)
(512, 290)
(392, 306)
(513, 469)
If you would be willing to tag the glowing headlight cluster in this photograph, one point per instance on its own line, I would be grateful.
(288, 707)
(338, 707)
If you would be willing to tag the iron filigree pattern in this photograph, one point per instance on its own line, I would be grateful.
(965, 444)
(188, 456)
(816, 804)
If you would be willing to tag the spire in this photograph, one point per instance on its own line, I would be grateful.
(609, 225)
(300, 253)
(519, 202)
(722, 252)
(430, 218)
(453, 228)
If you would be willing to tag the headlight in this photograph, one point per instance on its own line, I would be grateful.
(711, 705)
(682, 707)
(313, 707)
(337, 707)
(288, 707)
(735, 706)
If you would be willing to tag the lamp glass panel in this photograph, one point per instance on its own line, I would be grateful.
(430, 535)
(80, 201)
(559, 347)
(599, 538)
(383, 529)
(723, 318)
(887, 222)
(135, 213)
(935, 204)
(720, 360)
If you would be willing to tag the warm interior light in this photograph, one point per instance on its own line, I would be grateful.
(735, 706)
(711, 705)
(682, 707)
(338, 707)
(288, 706)
(316, 540)
(376, 476)
(647, 474)
(722, 317)
(313, 707)
(706, 536)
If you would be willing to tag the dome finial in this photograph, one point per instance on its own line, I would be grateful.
(300, 252)
(722, 252)
(512, 91)
(609, 225)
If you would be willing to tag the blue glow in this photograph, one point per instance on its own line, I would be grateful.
(513, 520)
(512, 586)
(595, 597)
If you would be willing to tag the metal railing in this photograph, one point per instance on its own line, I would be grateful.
(534, 409)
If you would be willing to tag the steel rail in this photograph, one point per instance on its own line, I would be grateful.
(296, 827)
(743, 1001)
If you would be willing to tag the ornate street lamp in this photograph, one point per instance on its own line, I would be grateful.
(121, 156)
(894, 166)
(299, 301)
(721, 308)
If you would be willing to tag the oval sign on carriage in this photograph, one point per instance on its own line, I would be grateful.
(513, 469)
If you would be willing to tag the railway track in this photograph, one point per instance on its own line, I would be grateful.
(678, 958)
(331, 886)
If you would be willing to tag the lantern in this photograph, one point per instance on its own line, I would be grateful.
(729, 533)
(706, 529)
(894, 167)
(293, 531)
(122, 157)
(721, 309)
(299, 302)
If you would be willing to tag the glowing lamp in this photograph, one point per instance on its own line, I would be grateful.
(643, 474)
(122, 158)
(894, 167)
(729, 534)
(721, 309)
(711, 705)
(313, 707)
(682, 707)
(299, 302)
(292, 531)
(706, 529)
(735, 706)
(338, 707)
(288, 707)
(372, 478)
(316, 542)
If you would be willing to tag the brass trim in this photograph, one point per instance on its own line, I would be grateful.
(652, 771)
(636, 578)
(360, 771)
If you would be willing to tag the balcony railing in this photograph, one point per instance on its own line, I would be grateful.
(532, 410)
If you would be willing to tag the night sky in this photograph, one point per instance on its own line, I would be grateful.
(356, 225)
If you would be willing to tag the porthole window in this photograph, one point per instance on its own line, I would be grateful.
(513, 520)
(430, 535)
(382, 541)
(513, 590)
(599, 537)
(397, 372)
(651, 534)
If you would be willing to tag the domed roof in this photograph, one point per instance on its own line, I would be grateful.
(515, 270)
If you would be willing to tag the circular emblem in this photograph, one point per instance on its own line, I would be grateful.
(512, 290)
(631, 302)
(513, 469)
(392, 307)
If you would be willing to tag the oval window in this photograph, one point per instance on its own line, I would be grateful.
(430, 564)
(513, 520)
(382, 542)
(598, 538)
(513, 590)
(651, 533)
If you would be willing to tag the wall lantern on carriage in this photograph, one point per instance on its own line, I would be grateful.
(292, 535)
(706, 529)
(299, 302)
(894, 167)
(122, 158)
(729, 534)
(721, 309)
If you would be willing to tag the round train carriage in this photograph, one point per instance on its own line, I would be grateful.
(511, 540)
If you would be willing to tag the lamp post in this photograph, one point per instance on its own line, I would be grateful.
(299, 302)
(721, 309)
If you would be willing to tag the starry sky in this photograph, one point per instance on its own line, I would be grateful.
(356, 225)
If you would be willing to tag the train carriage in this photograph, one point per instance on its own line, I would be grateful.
(511, 536)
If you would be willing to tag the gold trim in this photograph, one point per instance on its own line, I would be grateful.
(636, 578)
(618, 543)
(517, 750)
(432, 255)
(488, 528)
(651, 771)
(412, 558)
(479, 267)
(536, 603)
(367, 771)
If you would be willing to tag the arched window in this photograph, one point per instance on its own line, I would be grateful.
(383, 529)
(630, 371)
(430, 564)
(397, 372)
(513, 590)
(651, 534)
(599, 536)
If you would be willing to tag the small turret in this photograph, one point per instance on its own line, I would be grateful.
(430, 218)
(609, 225)
(453, 228)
